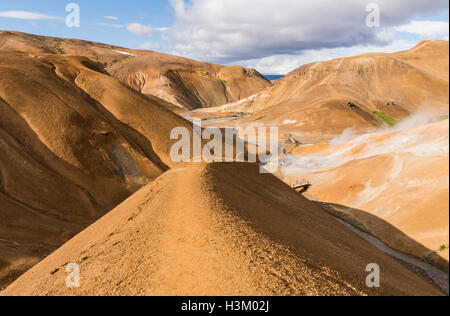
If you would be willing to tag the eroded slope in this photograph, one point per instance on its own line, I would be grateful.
(74, 143)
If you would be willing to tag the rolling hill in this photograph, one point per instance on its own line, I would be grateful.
(320, 100)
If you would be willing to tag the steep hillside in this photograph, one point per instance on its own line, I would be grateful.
(181, 81)
(74, 143)
(218, 229)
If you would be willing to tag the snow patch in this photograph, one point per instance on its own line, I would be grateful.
(122, 52)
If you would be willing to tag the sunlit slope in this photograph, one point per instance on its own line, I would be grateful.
(219, 229)
(142, 114)
(397, 182)
(39, 45)
(181, 81)
(186, 82)
(365, 91)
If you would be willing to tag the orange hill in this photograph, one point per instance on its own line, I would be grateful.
(396, 183)
(322, 99)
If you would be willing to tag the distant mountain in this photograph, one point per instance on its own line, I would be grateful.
(184, 82)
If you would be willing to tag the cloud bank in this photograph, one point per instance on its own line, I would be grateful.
(140, 30)
(26, 15)
(236, 29)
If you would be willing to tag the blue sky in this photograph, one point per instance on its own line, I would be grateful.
(272, 36)
(155, 12)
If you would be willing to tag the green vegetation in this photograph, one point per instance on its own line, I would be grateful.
(443, 247)
(444, 117)
(60, 47)
(389, 121)
(121, 60)
(203, 73)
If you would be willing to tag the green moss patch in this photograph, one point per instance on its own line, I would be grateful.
(202, 72)
(60, 47)
(121, 60)
(389, 121)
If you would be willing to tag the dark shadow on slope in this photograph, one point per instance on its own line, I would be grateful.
(129, 133)
(40, 221)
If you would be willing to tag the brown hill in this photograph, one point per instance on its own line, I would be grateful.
(322, 99)
(218, 229)
(181, 81)
(74, 143)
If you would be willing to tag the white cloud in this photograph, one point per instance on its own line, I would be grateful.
(140, 30)
(26, 15)
(179, 7)
(113, 25)
(161, 29)
(226, 30)
(149, 46)
(111, 17)
(430, 29)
